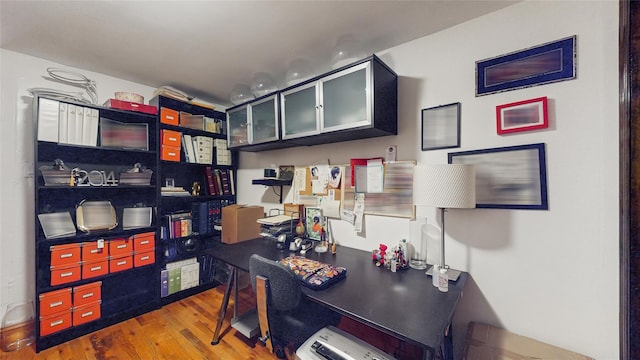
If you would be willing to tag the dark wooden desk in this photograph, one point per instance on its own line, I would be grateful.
(403, 304)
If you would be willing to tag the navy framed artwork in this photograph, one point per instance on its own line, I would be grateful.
(512, 177)
(543, 64)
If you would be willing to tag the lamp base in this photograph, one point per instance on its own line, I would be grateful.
(452, 274)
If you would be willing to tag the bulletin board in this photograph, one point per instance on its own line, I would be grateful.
(396, 200)
(327, 186)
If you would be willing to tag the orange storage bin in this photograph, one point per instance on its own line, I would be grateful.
(118, 247)
(170, 153)
(120, 263)
(145, 258)
(54, 323)
(55, 301)
(171, 138)
(86, 313)
(65, 254)
(65, 274)
(144, 241)
(169, 116)
(95, 268)
(89, 293)
(91, 252)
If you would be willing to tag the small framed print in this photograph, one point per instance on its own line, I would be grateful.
(441, 127)
(523, 115)
(314, 222)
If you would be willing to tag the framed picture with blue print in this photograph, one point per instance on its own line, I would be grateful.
(542, 64)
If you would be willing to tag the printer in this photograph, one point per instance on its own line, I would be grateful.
(331, 343)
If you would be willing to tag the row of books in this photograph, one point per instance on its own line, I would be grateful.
(200, 220)
(220, 181)
(67, 123)
(204, 215)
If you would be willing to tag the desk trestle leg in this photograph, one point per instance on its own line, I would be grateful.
(223, 307)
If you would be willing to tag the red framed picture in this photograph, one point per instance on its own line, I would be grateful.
(523, 115)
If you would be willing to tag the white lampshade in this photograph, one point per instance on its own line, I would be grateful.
(445, 186)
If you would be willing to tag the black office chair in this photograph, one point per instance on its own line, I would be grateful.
(286, 319)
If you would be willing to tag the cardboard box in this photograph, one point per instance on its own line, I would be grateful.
(485, 342)
(239, 223)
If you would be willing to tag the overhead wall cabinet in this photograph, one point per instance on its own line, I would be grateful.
(196, 175)
(95, 226)
(255, 123)
(354, 102)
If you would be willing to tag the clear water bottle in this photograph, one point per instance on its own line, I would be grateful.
(18, 326)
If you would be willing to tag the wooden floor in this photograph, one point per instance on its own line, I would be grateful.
(181, 330)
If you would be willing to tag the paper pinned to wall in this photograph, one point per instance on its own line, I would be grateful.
(370, 178)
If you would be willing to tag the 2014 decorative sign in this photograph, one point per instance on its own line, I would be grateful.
(93, 178)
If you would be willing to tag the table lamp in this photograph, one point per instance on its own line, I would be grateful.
(449, 186)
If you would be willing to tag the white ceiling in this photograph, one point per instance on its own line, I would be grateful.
(205, 48)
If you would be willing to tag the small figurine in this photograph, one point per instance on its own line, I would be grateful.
(379, 255)
(195, 188)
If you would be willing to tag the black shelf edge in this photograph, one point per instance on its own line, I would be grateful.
(271, 182)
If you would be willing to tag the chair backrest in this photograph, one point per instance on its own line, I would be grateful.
(285, 289)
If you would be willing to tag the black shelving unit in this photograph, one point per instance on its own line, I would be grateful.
(120, 292)
(273, 182)
(178, 248)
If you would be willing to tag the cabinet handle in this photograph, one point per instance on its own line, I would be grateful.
(57, 303)
(89, 313)
(119, 263)
(144, 242)
(66, 274)
(62, 256)
(96, 268)
(121, 246)
(55, 323)
(87, 295)
(144, 258)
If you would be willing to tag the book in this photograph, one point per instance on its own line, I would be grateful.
(62, 123)
(164, 283)
(232, 182)
(189, 276)
(224, 177)
(189, 151)
(218, 182)
(210, 181)
(48, 113)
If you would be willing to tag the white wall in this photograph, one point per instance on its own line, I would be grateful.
(551, 275)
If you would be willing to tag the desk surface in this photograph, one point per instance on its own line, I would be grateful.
(403, 304)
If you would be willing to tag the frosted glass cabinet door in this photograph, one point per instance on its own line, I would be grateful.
(237, 123)
(264, 124)
(299, 112)
(346, 101)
